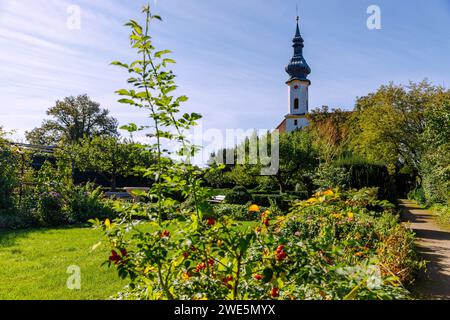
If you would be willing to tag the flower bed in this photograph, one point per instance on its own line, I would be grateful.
(332, 246)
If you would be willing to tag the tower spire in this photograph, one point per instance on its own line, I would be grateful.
(298, 68)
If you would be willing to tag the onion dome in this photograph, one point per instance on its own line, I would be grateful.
(298, 69)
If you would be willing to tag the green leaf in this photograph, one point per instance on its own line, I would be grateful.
(123, 92)
(126, 101)
(120, 64)
(131, 127)
(167, 60)
(267, 275)
(183, 99)
(159, 54)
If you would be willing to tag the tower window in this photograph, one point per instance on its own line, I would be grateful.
(295, 122)
(296, 103)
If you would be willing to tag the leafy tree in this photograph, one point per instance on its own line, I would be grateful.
(435, 164)
(8, 175)
(388, 124)
(331, 131)
(298, 157)
(111, 157)
(74, 118)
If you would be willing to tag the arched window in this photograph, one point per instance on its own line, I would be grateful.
(296, 102)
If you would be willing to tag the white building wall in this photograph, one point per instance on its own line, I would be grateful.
(301, 93)
(290, 124)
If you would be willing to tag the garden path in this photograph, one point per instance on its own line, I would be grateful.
(433, 242)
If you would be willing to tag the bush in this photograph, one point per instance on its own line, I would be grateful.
(282, 201)
(85, 203)
(60, 202)
(238, 195)
(234, 211)
(363, 174)
(8, 178)
(417, 194)
(350, 237)
(49, 209)
(331, 176)
(442, 212)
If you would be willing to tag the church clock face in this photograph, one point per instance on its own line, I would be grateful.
(296, 87)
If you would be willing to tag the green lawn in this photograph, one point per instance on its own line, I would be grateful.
(33, 264)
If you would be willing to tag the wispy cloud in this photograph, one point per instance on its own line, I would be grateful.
(231, 54)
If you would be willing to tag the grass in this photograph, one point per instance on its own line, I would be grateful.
(442, 213)
(33, 264)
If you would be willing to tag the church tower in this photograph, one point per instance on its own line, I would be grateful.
(298, 86)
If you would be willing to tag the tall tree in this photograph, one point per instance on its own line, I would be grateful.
(73, 119)
(388, 125)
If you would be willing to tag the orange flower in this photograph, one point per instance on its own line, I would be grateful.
(165, 234)
(254, 208)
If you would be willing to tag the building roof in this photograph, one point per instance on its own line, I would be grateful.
(297, 68)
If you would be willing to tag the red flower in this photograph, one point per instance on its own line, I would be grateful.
(266, 222)
(165, 234)
(258, 277)
(227, 279)
(123, 252)
(114, 257)
(281, 256)
(211, 221)
(200, 266)
(211, 262)
(275, 293)
(186, 255)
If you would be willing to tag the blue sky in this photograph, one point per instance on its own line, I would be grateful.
(230, 54)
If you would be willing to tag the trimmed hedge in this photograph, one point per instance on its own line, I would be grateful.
(238, 195)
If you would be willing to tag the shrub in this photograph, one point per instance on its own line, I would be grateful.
(49, 209)
(238, 195)
(442, 212)
(48, 196)
(282, 201)
(330, 176)
(363, 174)
(86, 202)
(8, 178)
(234, 211)
(417, 194)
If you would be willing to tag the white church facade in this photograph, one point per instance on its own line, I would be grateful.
(298, 86)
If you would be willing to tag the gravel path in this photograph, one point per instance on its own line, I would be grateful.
(433, 243)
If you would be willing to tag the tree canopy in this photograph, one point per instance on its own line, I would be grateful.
(73, 119)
